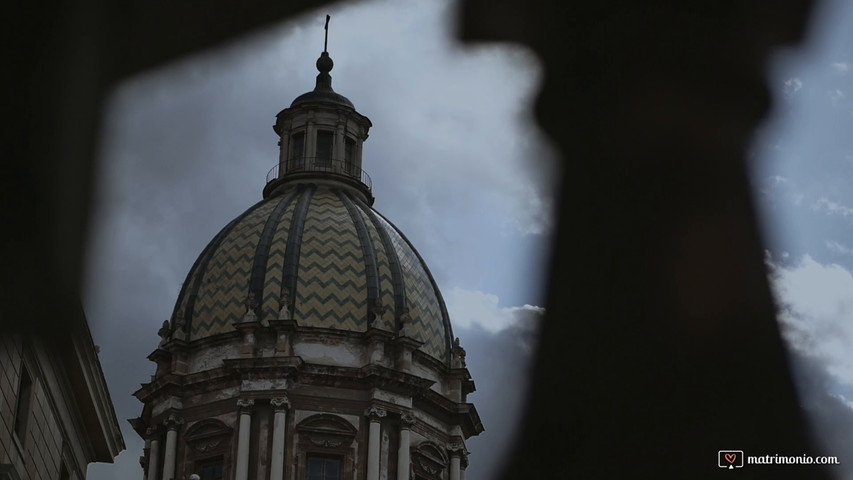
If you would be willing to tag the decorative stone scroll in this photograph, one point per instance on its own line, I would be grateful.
(324, 442)
(377, 309)
(251, 305)
(458, 354)
(284, 304)
(180, 324)
(165, 333)
(405, 323)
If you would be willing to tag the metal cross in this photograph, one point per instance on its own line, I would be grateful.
(326, 45)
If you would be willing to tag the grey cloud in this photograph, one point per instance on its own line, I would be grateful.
(831, 418)
(500, 364)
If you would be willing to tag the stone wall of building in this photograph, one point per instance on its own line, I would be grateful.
(56, 416)
(34, 445)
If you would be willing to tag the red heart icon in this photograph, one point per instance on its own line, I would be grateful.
(731, 457)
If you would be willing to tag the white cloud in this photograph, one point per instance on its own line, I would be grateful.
(792, 86)
(841, 67)
(798, 198)
(832, 207)
(816, 310)
(836, 247)
(779, 179)
(836, 96)
(470, 308)
(842, 399)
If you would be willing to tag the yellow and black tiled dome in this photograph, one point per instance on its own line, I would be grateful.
(327, 254)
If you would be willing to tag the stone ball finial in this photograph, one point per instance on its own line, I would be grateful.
(325, 63)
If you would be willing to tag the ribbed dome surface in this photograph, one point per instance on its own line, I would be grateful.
(322, 96)
(327, 251)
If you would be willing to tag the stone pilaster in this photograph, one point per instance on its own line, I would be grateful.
(403, 460)
(456, 451)
(375, 414)
(153, 452)
(244, 406)
(280, 406)
(172, 424)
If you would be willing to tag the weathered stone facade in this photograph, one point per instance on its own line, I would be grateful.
(56, 415)
(309, 340)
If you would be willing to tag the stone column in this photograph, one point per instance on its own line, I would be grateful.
(375, 414)
(172, 424)
(357, 160)
(338, 153)
(284, 151)
(311, 140)
(244, 405)
(406, 422)
(153, 454)
(456, 452)
(280, 406)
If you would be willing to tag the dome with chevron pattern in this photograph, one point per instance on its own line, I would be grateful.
(305, 323)
(326, 257)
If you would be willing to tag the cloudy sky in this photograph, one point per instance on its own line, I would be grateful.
(458, 166)
(803, 176)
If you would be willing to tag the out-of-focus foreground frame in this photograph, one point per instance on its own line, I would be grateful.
(660, 345)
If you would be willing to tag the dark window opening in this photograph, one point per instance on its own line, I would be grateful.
(349, 156)
(323, 468)
(209, 469)
(22, 411)
(324, 147)
(297, 149)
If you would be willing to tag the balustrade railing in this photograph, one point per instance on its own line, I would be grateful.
(321, 165)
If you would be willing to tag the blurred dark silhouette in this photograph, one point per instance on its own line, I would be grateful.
(660, 345)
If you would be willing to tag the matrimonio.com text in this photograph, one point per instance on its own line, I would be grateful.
(732, 459)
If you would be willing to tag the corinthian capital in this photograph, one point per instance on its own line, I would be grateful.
(173, 422)
(456, 449)
(280, 403)
(375, 413)
(244, 405)
(407, 419)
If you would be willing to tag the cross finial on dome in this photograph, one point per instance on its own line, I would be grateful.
(325, 64)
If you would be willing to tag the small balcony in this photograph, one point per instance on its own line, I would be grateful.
(312, 166)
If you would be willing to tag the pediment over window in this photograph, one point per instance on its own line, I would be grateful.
(326, 430)
(208, 437)
(429, 460)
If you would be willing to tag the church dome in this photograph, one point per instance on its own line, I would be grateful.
(309, 338)
(324, 256)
